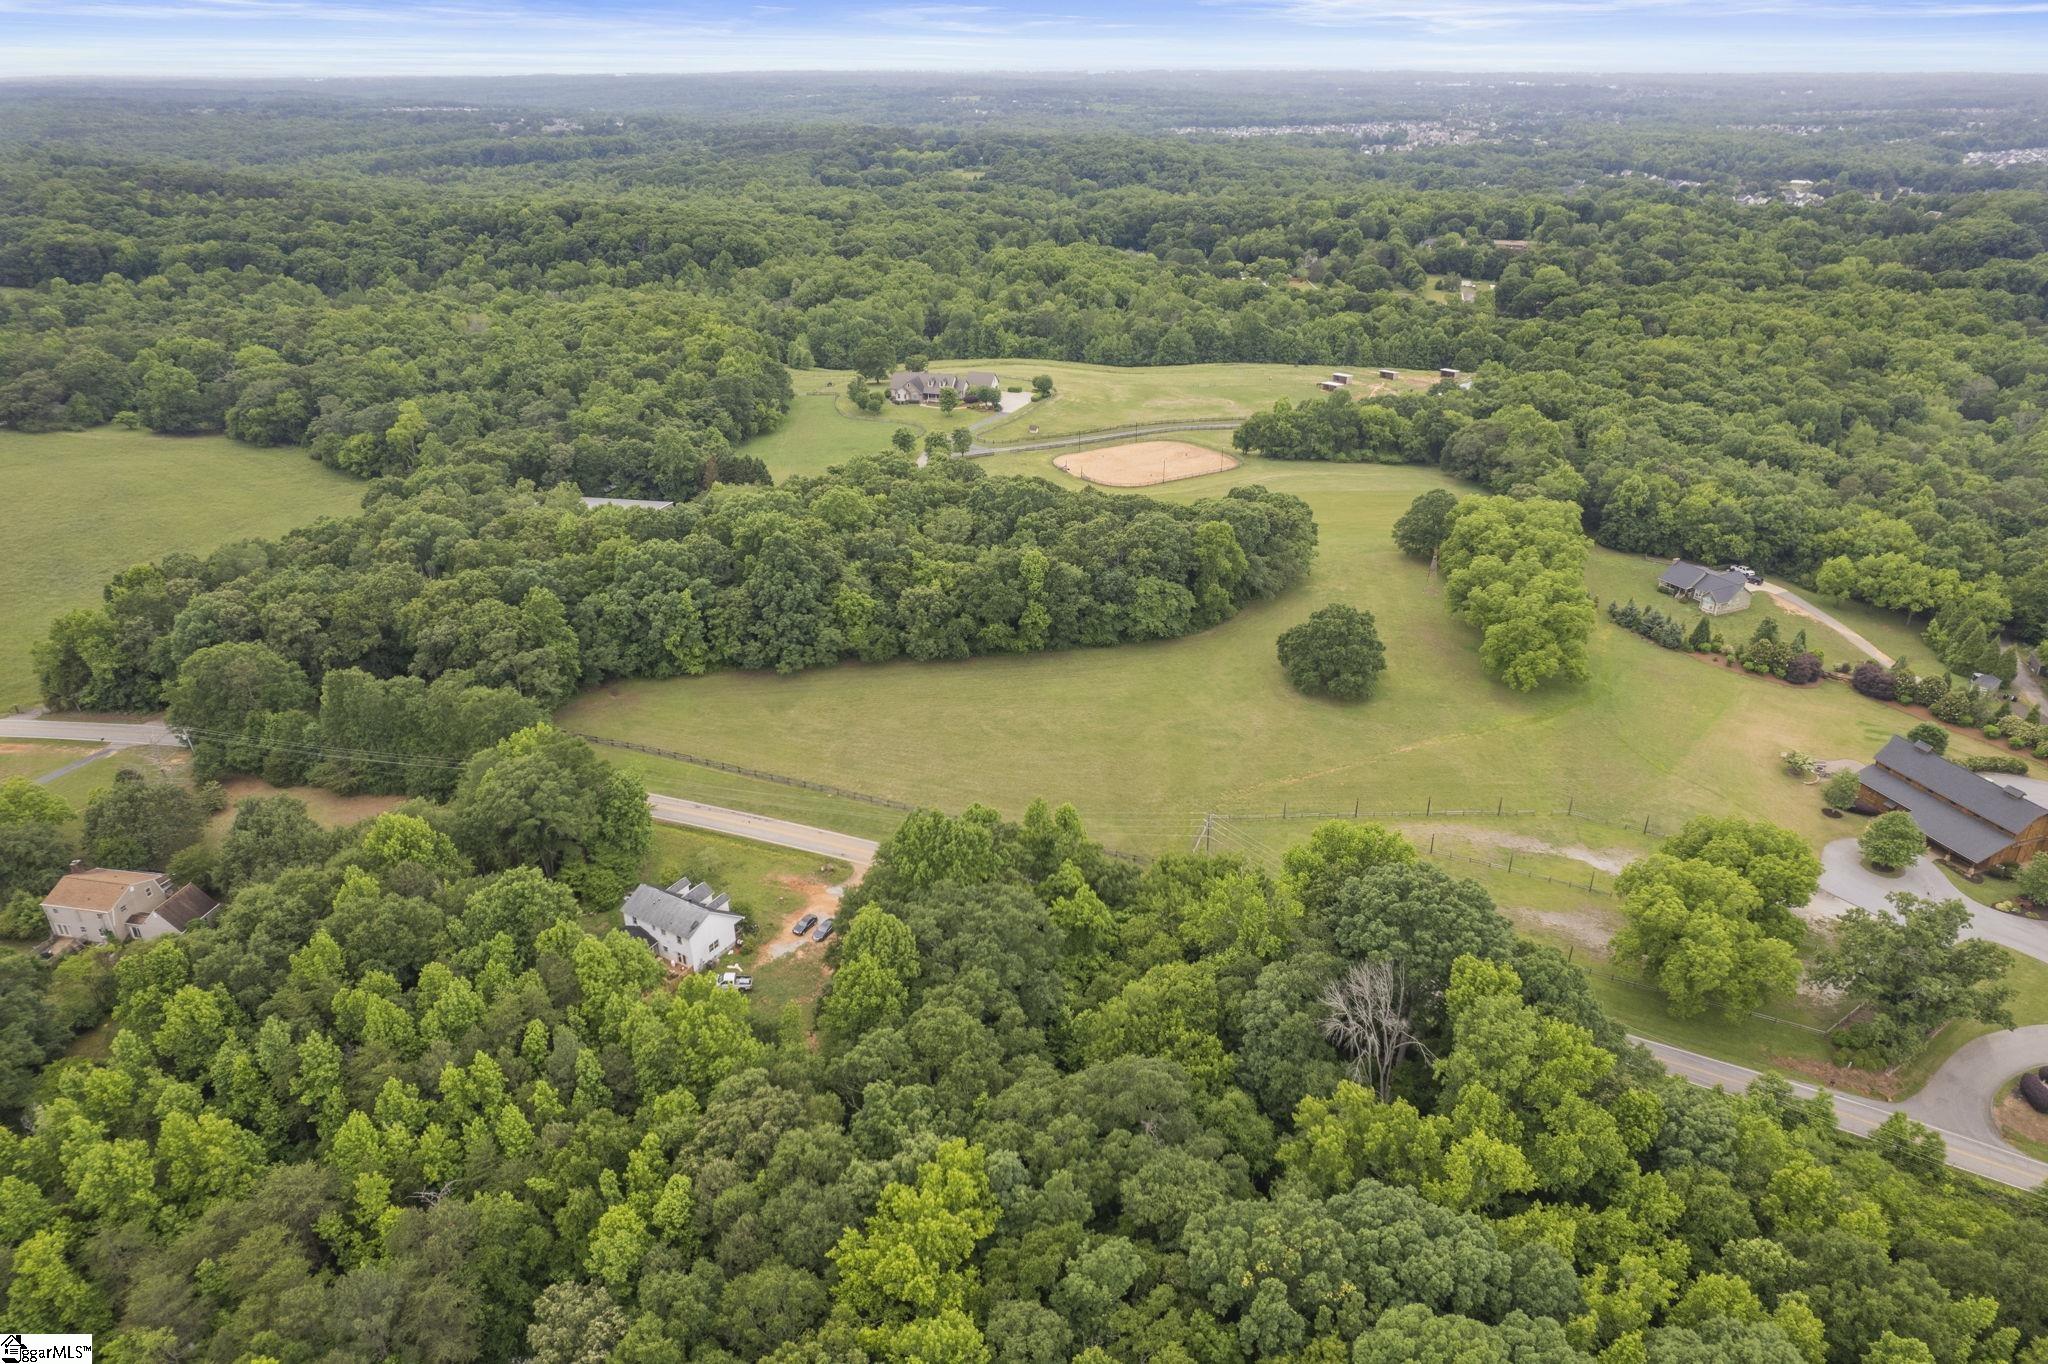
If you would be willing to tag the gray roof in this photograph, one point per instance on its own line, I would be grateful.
(1698, 581)
(929, 384)
(1974, 818)
(1985, 682)
(2005, 807)
(670, 913)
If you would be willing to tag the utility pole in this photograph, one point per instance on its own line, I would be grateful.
(1202, 838)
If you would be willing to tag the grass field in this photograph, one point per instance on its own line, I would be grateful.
(1105, 397)
(85, 505)
(1144, 737)
(31, 758)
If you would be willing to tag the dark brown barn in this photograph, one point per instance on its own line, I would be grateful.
(1972, 821)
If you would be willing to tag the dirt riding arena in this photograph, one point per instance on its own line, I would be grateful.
(1145, 463)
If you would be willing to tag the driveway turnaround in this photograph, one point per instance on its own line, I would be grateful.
(1962, 1092)
(1844, 877)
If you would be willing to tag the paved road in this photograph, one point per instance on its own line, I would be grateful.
(1799, 605)
(1844, 877)
(1960, 1095)
(115, 733)
(780, 832)
(1946, 1105)
(979, 449)
(1967, 1150)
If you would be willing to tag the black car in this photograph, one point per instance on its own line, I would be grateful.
(803, 925)
(824, 930)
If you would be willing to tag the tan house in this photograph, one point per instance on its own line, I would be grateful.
(99, 904)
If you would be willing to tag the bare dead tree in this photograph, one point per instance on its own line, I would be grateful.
(1368, 1021)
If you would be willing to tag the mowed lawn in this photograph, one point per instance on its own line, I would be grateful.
(84, 505)
(1143, 738)
(1105, 397)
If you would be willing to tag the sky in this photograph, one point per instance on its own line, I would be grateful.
(155, 38)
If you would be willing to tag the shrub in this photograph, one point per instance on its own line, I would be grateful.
(1874, 682)
(1892, 841)
(1929, 733)
(1997, 762)
(1803, 669)
(1335, 652)
(1958, 706)
(1841, 791)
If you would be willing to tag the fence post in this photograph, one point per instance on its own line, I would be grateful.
(1500, 805)
(1427, 802)
(1354, 807)
(1432, 845)
(1511, 859)
(1589, 879)
(1569, 803)
(1646, 824)
(1283, 809)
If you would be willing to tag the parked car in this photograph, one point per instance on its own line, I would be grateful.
(743, 984)
(824, 930)
(803, 925)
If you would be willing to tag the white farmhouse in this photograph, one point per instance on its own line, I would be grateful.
(687, 925)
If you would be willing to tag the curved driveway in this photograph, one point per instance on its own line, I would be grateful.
(1959, 1098)
(1800, 606)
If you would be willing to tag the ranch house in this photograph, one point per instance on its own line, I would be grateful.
(918, 386)
(686, 925)
(1715, 592)
(1972, 821)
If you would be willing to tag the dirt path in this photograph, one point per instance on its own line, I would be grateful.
(819, 899)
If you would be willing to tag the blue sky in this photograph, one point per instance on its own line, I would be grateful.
(480, 37)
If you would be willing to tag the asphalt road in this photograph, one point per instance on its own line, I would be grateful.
(781, 833)
(116, 733)
(1967, 1150)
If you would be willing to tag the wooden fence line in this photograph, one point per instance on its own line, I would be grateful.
(780, 779)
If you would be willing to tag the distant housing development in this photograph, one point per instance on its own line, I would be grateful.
(99, 904)
(917, 386)
(686, 925)
(1974, 822)
(1714, 591)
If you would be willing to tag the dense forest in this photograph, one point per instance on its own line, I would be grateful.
(408, 1099)
(401, 1105)
(1853, 379)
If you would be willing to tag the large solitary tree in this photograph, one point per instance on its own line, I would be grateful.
(1335, 652)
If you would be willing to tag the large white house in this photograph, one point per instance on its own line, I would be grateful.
(99, 904)
(689, 925)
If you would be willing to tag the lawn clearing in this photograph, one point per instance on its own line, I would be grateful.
(1144, 464)
(1109, 397)
(1145, 737)
(325, 808)
(31, 758)
(96, 776)
(84, 505)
